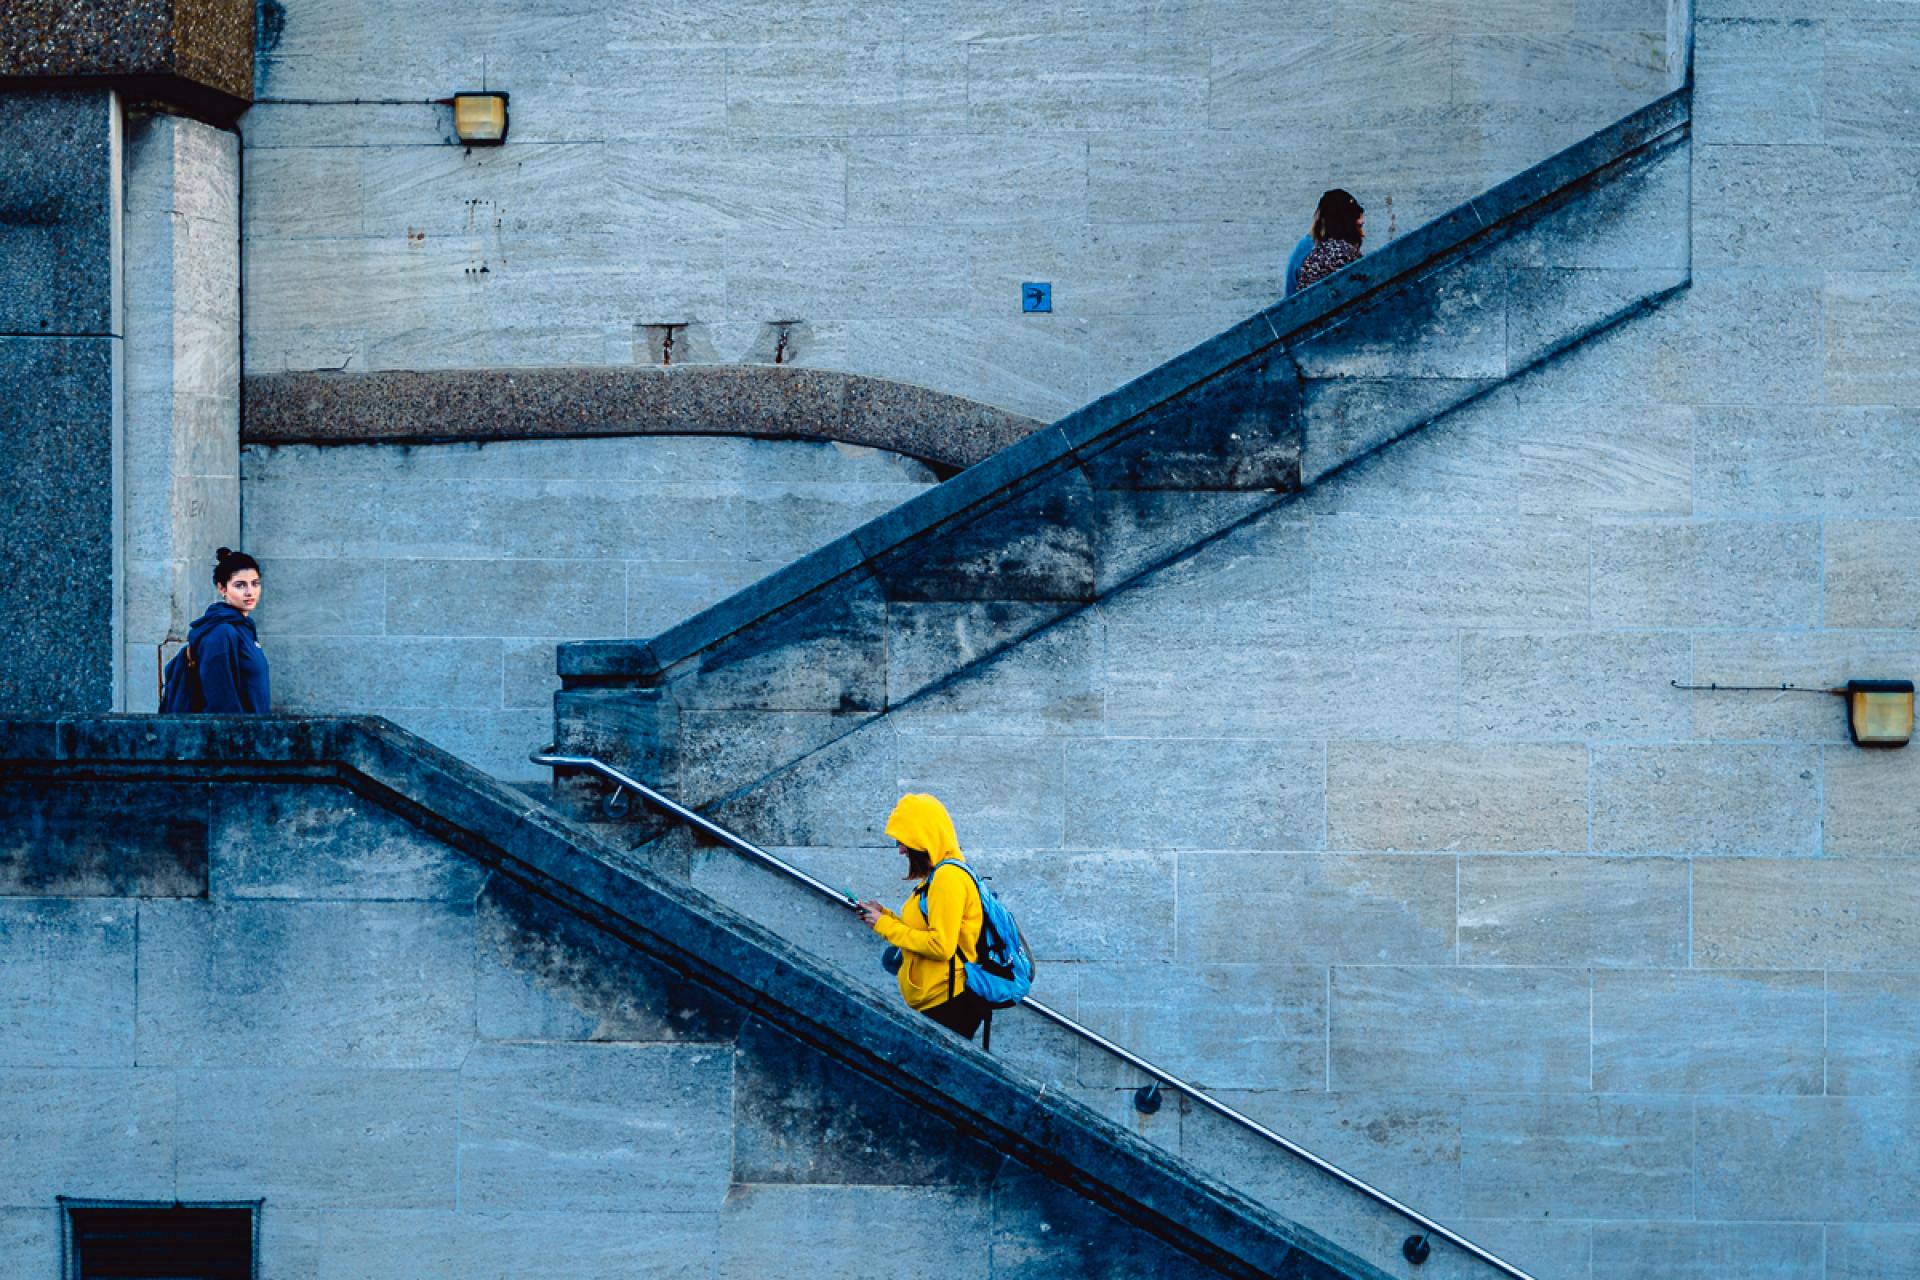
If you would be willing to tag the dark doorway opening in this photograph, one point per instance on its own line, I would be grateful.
(119, 1241)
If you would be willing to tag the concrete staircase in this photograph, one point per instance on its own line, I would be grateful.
(727, 709)
(753, 711)
(372, 929)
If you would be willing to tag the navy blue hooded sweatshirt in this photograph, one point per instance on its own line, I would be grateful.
(233, 666)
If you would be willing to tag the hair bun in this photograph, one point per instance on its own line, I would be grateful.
(222, 553)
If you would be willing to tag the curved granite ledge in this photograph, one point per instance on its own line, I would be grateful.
(404, 407)
(737, 959)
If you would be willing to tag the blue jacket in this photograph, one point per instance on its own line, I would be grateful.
(1294, 263)
(233, 666)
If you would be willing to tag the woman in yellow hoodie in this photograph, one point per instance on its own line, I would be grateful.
(938, 927)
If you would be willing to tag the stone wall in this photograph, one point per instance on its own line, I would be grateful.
(1381, 814)
(865, 188)
(430, 583)
(422, 1063)
(182, 393)
(60, 361)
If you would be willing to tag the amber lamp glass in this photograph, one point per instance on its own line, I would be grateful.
(1880, 712)
(480, 119)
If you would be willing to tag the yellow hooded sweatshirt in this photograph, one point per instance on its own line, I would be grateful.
(951, 924)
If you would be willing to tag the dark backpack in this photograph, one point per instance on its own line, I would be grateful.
(180, 692)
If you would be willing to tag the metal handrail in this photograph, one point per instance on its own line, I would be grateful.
(740, 844)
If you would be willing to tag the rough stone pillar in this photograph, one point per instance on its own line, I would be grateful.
(60, 357)
(182, 377)
(118, 444)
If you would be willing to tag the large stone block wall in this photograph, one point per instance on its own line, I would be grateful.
(224, 990)
(1380, 814)
(867, 189)
(431, 583)
(60, 362)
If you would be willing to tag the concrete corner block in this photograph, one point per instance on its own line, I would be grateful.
(824, 652)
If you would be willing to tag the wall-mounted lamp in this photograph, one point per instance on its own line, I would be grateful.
(1880, 712)
(480, 119)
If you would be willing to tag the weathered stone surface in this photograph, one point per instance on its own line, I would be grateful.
(1869, 803)
(1489, 458)
(104, 839)
(1758, 205)
(1711, 799)
(796, 1122)
(1315, 909)
(794, 912)
(1054, 684)
(1873, 320)
(824, 653)
(1866, 63)
(58, 469)
(1873, 1033)
(1614, 912)
(1039, 1233)
(306, 1139)
(1194, 794)
(1697, 1251)
(1759, 81)
(343, 1243)
(1870, 1251)
(1408, 1143)
(595, 1127)
(1870, 580)
(57, 276)
(1279, 681)
(115, 1138)
(1577, 1157)
(1005, 792)
(1831, 461)
(1233, 1026)
(1668, 1031)
(1578, 686)
(1070, 895)
(579, 599)
(764, 1228)
(308, 842)
(1770, 913)
(66, 983)
(838, 791)
(326, 984)
(376, 673)
(1481, 1030)
(1444, 796)
(541, 973)
(1706, 574)
(1447, 572)
(1816, 1159)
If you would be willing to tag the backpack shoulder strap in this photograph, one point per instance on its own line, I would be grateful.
(927, 884)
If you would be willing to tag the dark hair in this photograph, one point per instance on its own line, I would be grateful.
(1337, 218)
(227, 562)
(919, 865)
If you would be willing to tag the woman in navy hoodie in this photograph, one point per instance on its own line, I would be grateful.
(232, 665)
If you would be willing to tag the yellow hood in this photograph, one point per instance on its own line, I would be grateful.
(921, 822)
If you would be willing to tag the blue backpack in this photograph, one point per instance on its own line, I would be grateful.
(1003, 971)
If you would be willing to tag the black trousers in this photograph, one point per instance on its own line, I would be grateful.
(963, 1014)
